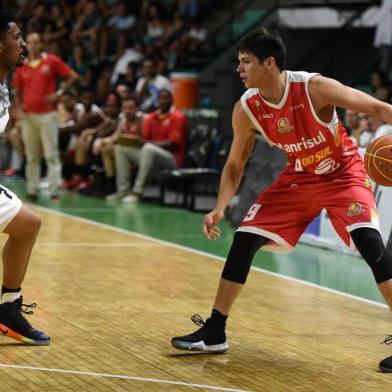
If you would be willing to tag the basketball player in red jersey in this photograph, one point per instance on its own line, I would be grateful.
(295, 111)
(16, 220)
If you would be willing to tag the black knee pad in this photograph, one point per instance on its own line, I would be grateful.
(371, 247)
(241, 254)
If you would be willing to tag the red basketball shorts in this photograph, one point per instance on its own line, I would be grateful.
(283, 211)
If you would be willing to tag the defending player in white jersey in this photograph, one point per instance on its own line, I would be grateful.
(16, 220)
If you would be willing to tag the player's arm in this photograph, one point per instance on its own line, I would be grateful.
(329, 92)
(240, 151)
(16, 109)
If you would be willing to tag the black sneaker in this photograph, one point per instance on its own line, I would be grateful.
(386, 364)
(208, 338)
(14, 325)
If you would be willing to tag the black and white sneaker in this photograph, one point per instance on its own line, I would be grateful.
(386, 364)
(14, 325)
(209, 338)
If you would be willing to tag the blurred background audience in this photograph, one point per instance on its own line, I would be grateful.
(115, 58)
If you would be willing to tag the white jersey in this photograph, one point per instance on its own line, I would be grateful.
(10, 204)
(4, 105)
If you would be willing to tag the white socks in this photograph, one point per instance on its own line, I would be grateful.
(10, 297)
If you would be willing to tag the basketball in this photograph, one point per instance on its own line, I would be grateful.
(378, 160)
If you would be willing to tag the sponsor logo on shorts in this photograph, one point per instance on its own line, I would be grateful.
(284, 125)
(355, 209)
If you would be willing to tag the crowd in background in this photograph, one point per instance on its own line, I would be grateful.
(106, 40)
(122, 53)
(364, 128)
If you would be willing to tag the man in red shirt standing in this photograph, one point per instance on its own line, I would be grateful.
(35, 87)
(164, 134)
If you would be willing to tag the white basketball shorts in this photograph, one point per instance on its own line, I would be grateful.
(10, 204)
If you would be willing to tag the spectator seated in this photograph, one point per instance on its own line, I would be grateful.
(205, 154)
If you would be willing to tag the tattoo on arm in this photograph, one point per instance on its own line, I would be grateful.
(248, 149)
(234, 176)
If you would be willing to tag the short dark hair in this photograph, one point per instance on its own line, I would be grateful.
(263, 44)
(5, 18)
(166, 91)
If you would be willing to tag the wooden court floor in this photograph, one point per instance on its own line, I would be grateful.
(111, 302)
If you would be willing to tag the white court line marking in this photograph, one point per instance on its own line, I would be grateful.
(129, 208)
(210, 255)
(97, 244)
(120, 376)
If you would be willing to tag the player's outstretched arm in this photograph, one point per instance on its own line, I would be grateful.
(240, 151)
(329, 92)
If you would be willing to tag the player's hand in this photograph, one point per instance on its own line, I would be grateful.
(211, 231)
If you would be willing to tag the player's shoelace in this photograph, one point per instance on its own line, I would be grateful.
(388, 340)
(25, 308)
(198, 320)
(21, 321)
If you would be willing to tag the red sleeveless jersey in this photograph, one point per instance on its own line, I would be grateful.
(313, 146)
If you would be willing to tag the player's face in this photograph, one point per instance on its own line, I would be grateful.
(13, 47)
(252, 71)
